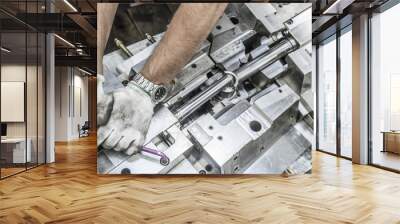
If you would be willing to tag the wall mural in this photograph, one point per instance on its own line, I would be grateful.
(241, 103)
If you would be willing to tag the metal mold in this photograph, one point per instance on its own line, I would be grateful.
(243, 104)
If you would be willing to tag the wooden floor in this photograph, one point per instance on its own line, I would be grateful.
(70, 191)
(387, 159)
(5, 172)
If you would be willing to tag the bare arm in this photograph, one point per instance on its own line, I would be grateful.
(189, 27)
(105, 15)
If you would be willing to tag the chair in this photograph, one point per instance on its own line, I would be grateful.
(84, 130)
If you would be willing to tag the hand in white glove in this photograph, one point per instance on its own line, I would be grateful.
(124, 126)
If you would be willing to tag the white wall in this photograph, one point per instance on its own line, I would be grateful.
(34, 125)
(80, 104)
(61, 103)
(12, 101)
(12, 73)
(17, 73)
(71, 102)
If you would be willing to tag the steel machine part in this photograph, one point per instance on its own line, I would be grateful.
(121, 46)
(194, 103)
(280, 50)
(243, 104)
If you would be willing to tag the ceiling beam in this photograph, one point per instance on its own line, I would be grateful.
(320, 22)
(84, 24)
(80, 20)
(337, 7)
(82, 61)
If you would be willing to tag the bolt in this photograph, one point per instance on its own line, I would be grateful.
(150, 38)
(121, 46)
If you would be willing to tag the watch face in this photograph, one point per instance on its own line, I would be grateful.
(160, 93)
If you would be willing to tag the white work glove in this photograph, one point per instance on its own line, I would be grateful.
(123, 118)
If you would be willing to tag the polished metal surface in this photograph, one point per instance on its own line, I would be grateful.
(197, 101)
(271, 56)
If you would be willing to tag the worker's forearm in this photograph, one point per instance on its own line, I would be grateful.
(105, 15)
(189, 27)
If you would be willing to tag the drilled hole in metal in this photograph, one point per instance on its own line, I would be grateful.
(255, 126)
(208, 168)
(234, 20)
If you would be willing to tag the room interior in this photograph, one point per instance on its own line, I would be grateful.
(25, 64)
(48, 93)
(22, 101)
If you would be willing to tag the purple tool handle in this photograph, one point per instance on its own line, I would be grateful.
(154, 152)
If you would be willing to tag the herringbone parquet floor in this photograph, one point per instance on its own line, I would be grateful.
(70, 191)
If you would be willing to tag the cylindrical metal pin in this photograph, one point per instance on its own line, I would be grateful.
(150, 38)
(121, 46)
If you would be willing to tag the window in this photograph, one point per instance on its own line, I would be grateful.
(394, 101)
(22, 76)
(334, 106)
(385, 89)
(327, 96)
(346, 93)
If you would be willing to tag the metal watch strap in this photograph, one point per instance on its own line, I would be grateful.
(149, 87)
(144, 83)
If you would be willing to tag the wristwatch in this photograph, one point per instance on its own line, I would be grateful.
(156, 92)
